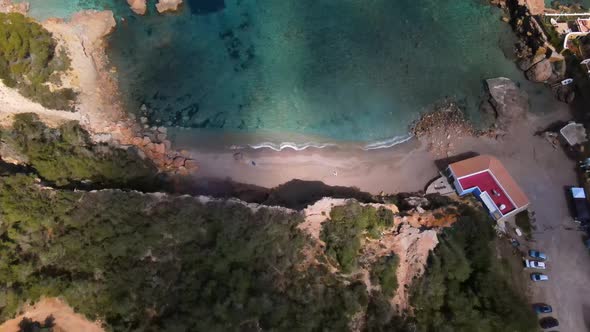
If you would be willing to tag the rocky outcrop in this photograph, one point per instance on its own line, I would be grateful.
(7, 6)
(440, 130)
(139, 7)
(507, 101)
(9, 155)
(164, 6)
(540, 71)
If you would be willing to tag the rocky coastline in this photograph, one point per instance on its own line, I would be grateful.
(98, 106)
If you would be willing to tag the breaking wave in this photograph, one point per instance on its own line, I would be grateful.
(387, 143)
(383, 144)
(290, 145)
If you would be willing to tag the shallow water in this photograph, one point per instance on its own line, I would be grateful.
(354, 70)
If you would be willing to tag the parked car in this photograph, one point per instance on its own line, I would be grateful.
(531, 264)
(538, 255)
(539, 277)
(548, 322)
(580, 205)
(542, 308)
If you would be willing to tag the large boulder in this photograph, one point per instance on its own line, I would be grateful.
(540, 71)
(508, 102)
(139, 7)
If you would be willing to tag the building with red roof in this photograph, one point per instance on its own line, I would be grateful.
(486, 178)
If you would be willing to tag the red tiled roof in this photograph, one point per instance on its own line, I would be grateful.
(494, 166)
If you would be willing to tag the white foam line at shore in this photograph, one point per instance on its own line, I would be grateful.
(384, 144)
(388, 143)
(290, 145)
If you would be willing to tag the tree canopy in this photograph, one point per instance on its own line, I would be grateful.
(30, 59)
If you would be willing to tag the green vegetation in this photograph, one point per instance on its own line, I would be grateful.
(383, 273)
(152, 263)
(463, 288)
(66, 154)
(29, 59)
(347, 226)
(142, 262)
(148, 262)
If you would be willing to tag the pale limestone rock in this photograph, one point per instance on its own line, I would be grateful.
(139, 7)
(168, 5)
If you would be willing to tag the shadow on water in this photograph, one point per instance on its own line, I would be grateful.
(205, 7)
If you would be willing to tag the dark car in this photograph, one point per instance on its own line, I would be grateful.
(542, 308)
(548, 322)
(538, 255)
(580, 205)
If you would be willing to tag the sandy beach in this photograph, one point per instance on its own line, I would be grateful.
(405, 167)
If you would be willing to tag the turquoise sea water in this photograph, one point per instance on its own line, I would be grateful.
(354, 70)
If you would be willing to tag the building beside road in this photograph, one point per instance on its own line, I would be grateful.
(486, 178)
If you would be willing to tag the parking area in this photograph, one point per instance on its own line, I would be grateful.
(543, 173)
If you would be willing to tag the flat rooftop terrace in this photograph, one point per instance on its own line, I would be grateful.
(486, 182)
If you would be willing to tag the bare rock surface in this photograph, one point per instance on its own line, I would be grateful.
(139, 7)
(7, 6)
(164, 6)
(540, 71)
(507, 100)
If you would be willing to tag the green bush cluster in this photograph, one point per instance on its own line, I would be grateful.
(148, 263)
(463, 288)
(383, 273)
(348, 224)
(29, 59)
(66, 154)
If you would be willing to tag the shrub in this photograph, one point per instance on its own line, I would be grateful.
(384, 273)
(29, 57)
(346, 227)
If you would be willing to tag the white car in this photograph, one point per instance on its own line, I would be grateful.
(531, 264)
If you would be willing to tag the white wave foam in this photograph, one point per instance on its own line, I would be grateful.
(290, 145)
(387, 143)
